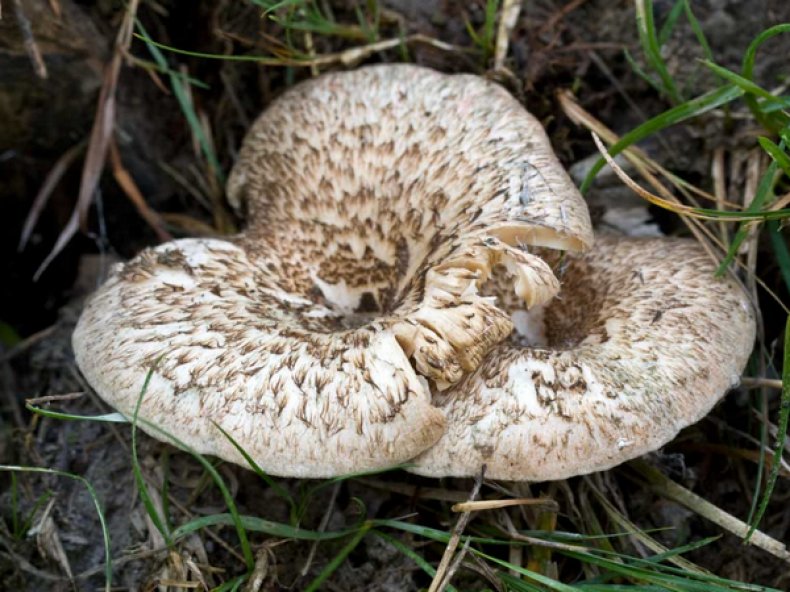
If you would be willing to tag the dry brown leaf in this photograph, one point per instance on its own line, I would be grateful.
(42, 197)
(131, 190)
(103, 125)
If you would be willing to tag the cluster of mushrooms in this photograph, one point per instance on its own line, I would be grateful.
(418, 284)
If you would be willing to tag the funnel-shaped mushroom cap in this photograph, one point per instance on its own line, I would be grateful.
(378, 201)
(641, 341)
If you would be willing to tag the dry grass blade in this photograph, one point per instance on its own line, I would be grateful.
(131, 190)
(758, 382)
(104, 122)
(646, 166)
(63, 239)
(692, 218)
(719, 187)
(654, 199)
(48, 540)
(103, 125)
(50, 182)
(662, 485)
(547, 505)
(636, 533)
(31, 47)
(351, 57)
(507, 21)
(443, 573)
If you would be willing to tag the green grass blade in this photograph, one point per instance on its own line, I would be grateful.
(255, 524)
(692, 108)
(781, 102)
(779, 156)
(761, 411)
(8, 335)
(150, 508)
(246, 549)
(766, 119)
(640, 71)
(763, 193)
(697, 29)
(258, 470)
(177, 83)
(411, 554)
(106, 418)
(679, 580)
(262, 60)
(744, 83)
(780, 250)
(669, 25)
(648, 38)
(338, 559)
(659, 557)
(97, 504)
(781, 436)
(545, 581)
(231, 585)
(517, 584)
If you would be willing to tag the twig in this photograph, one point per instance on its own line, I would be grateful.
(442, 576)
(54, 398)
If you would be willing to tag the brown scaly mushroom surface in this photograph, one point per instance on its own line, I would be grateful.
(378, 202)
(641, 341)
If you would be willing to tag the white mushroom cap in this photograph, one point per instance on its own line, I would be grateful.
(642, 341)
(378, 203)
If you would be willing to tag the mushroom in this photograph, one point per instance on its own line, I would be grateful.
(641, 341)
(379, 202)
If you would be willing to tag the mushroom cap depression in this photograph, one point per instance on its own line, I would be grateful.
(642, 341)
(378, 202)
